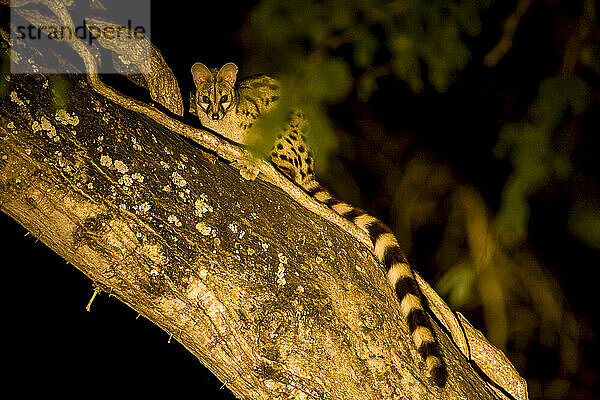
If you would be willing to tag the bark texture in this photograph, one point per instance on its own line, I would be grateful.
(278, 302)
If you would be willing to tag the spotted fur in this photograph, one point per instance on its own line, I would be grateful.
(292, 156)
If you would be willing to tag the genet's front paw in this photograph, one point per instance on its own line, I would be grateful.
(248, 169)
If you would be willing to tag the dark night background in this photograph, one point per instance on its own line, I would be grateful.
(54, 347)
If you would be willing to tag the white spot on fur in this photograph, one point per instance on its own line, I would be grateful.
(47, 126)
(125, 181)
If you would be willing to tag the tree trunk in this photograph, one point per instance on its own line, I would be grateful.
(276, 301)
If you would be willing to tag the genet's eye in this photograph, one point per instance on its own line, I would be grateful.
(224, 99)
(205, 99)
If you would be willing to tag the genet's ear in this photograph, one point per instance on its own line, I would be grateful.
(228, 73)
(201, 73)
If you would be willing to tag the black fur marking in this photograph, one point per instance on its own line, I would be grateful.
(283, 168)
(293, 137)
(416, 317)
(440, 375)
(317, 189)
(332, 201)
(375, 229)
(428, 348)
(251, 101)
(406, 286)
(392, 254)
(280, 146)
(283, 157)
(352, 214)
(301, 149)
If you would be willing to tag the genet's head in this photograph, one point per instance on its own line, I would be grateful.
(215, 92)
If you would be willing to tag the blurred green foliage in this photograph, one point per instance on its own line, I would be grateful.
(458, 284)
(327, 51)
(531, 146)
(4, 71)
(308, 42)
(61, 89)
(584, 222)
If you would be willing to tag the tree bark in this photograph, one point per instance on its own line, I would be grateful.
(276, 301)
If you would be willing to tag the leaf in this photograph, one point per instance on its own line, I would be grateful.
(366, 86)
(584, 222)
(408, 69)
(458, 283)
(364, 48)
(513, 216)
(329, 81)
(61, 88)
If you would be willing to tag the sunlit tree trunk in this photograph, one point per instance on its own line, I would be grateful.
(275, 300)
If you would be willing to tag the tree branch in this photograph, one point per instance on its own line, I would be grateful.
(268, 296)
(277, 301)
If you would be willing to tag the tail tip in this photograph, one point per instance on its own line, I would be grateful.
(439, 375)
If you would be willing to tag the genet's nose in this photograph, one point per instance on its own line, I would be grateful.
(215, 116)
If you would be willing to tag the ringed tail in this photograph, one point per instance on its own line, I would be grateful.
(399, 275)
